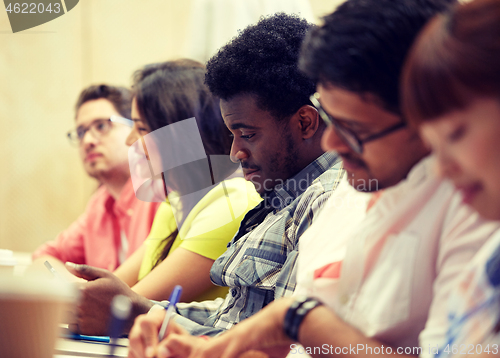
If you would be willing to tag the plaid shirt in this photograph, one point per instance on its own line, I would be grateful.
(475, 307)
(259, 264)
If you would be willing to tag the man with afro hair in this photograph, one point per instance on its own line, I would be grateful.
(277, 139)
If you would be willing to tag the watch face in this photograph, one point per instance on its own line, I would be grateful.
(296, 313)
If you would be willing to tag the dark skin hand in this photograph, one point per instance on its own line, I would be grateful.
(93, 310)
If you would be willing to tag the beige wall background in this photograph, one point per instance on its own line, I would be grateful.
(43, 186)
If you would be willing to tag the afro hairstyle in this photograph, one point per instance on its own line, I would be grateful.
(263, 61)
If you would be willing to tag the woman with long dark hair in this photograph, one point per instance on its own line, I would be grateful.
(177, 119)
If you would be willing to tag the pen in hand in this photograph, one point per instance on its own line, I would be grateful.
(174, 299)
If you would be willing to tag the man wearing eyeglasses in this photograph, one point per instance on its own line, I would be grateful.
(115, 222)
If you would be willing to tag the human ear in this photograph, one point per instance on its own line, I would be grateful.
(308, 120)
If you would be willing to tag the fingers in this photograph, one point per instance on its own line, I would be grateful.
(181, 345)
(149, 336)
(143, 337)
(186, 346)
(174, 328)
(137, 349)
(86, 272)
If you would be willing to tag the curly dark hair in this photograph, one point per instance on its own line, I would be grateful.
(263, 61)
(363, 44)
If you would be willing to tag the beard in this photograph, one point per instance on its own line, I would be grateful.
(286, 162)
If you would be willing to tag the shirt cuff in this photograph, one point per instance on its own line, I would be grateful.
(156, 307)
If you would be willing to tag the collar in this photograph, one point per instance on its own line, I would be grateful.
(124, 202)
(285, 193)
(422, 170)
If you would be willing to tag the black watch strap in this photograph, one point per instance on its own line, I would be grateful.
(296, 314)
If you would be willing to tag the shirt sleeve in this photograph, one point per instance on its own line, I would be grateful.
(287, 279)
(191, 316)
(68, 245)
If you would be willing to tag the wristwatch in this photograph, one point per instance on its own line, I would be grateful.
(296, 313)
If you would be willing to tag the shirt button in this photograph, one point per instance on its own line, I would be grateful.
(130, 212)
(234, 292)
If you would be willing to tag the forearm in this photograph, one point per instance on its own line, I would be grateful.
(128, 272)
(49, 248)
(324, 334)
(180, 267)
(140, 305)
(68, 245)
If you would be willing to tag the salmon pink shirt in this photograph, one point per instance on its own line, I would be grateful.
(95, 238)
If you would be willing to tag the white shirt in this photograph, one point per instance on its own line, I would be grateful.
(474, 307)
(399, 260)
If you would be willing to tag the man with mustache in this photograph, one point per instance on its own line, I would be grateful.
(377, 266)
(115, 222)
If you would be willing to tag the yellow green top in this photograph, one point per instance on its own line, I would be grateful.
(208, 228)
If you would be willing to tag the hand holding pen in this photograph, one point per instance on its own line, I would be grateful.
(173, 300)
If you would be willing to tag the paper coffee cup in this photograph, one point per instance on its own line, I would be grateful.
(30, 313)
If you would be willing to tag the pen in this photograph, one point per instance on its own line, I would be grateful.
(52, 269)
(80, 337)
(174, 299)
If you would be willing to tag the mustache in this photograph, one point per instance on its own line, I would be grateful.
(247, 166)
